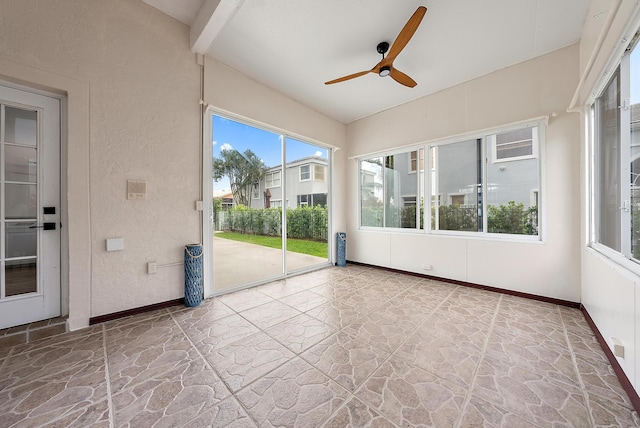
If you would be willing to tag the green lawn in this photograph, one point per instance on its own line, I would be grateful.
(313, 248)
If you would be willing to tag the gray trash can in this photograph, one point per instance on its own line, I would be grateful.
(341, 245)
(193, 275)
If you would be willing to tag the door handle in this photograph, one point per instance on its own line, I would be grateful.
(44, 226)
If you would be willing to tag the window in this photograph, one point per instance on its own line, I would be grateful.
(616, 133)
(383, 181)
(415, 157)
(303, 200)
(319, 172)
(255, 192)
(276, 203)
(514, 145)
(305, 172)
(469, 191)
(477, 193)
(272, 179)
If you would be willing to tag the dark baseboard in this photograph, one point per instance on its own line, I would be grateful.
(545, 299)
(622, 377)
(134, 311)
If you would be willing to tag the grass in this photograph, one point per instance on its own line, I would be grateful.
(312, 248)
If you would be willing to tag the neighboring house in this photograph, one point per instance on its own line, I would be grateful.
(225, 196)
(306, 184)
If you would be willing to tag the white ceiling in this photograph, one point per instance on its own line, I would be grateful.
(295, 46)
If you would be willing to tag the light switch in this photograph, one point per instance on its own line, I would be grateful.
(115, 244)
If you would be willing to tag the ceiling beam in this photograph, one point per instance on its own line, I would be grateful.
(210, 20)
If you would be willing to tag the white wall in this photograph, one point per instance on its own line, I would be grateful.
(134, 85)
(535, 88)
(609, 288)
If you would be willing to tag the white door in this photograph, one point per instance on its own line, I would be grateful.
(29, 207)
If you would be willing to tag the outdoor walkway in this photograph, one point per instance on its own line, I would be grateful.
(237, 263)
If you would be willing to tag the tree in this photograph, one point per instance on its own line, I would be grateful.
(243, 170)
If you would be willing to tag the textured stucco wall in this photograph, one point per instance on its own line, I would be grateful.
(144, 122)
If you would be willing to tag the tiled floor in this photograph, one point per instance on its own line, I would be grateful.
(355, 346)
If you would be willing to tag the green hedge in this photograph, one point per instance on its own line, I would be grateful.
(302, 223)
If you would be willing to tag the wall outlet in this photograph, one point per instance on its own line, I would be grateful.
(618, 347)
(152, 267)
(427, 267)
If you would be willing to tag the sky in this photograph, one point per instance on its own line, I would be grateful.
(229, 134)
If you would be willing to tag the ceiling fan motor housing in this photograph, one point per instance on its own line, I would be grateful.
(382, 48)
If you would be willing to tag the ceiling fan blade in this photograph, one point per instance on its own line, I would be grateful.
(402, 78)
(349, 77)
(406, 33)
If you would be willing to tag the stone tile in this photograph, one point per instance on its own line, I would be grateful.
(385, 288)
(410, 396)
(301, 332)
(481, 413)
(345, 360)
(382, 332)
(269, 314)
(586, 346)
(607, 413)
(50, 383)
(228, 413)
(211, 335)
(335, 313)
(308, 280)
(453, 360)
(544, 357)
(245, 299)
(295, 394)
(244, 361)
(531, 328)
(210, 310)
(169, 397)
(470, 306)
(599, 379)
(357, 414)
(365, 299)
(95, 416)
(7, 342)
(418, 300)
(334, 290)
(517, 307)
(45, 332)
(278, 289)
(544, 400)
(84, 355)
(304, 300)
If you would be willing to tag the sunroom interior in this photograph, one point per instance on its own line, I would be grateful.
(139, 81)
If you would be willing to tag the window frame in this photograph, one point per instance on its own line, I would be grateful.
(272, 174)
(494, 150)
(317, 168)
(429, 180)
(308, 167)
(622, 71)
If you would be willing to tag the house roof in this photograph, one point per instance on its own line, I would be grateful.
(294, 47)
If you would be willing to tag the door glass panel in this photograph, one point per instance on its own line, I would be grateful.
(21, 277)
(20, 164)
(248, 201)
(307, 187)
(21, 126)
(20, 201)
(457, 177)
(20, 239)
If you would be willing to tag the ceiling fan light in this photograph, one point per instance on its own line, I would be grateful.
(385, 71)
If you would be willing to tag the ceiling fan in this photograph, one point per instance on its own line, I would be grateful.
(385, 66)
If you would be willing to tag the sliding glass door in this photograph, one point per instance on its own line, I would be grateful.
(307, 188)
(270, 205)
